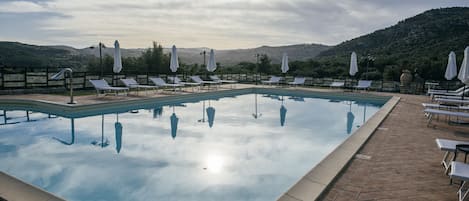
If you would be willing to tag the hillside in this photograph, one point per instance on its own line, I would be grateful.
(422, 42)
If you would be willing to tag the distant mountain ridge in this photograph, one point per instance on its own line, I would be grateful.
(19, 54)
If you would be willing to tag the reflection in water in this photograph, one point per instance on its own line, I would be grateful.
(203, 112)
(256, 113)
(72, 122)
(210, 114)
(251, 166)
(118, 127)
(174, 124)
(103, 143)
(283, 113)
(350, 118)
(157, 112)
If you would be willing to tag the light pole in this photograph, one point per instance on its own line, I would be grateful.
(100, 46)
(203, 53)
(257, 55)
(368, 58)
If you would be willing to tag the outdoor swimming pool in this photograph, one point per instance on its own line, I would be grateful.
(245, 147)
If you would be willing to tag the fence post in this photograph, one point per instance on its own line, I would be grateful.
(3, 77)
(84, 80)
(25, 77)
(47, 76)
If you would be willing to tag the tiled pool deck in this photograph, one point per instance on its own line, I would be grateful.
(400, 161)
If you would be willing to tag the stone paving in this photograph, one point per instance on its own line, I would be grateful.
(400, 161)
(403, 162)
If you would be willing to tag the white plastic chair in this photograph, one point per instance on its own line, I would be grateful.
(298, 81)
(133, 84)
(272, 80)
(363, 84)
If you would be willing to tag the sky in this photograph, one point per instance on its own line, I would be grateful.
(218, 24)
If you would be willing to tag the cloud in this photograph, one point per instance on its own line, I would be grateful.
(216, 24)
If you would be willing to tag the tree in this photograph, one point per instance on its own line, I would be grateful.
(264, 64)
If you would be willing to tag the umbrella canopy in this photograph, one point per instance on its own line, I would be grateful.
(464, 71)
(210, 115)
(174, 124)
(174, 63)
(211, 66)
(353, 64)
(118, 127)
(350, 118)
(451, 69)
(283, 114)
(117, 58)
(284, 66)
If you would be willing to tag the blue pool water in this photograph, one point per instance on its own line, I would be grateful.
(247, 147)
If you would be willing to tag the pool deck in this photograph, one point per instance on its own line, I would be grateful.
(400, 161)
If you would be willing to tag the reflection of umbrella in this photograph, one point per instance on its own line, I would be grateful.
(72, 120)
(117, 58)
(157, 112)
(210, 115)
(284, 66)
(211, 66)
(350, 118)
(353, 64)
(283, 114)
(174, 124)
(118, 127)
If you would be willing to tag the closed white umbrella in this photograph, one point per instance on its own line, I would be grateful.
(464, 71)
(353, 64)
(174, 64)
(211, 66)
(117, 58)
(451, 69)
(284, 66)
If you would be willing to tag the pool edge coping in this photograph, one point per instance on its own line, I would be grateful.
(316, 181)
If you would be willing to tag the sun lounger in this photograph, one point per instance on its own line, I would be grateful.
(199, 80)
(363, 84)
(453, 101)
(161, 83)
(272, 80)
(435, 91)
(460, 170)
(432, 112)
(448, 146)
(337, 84)
(103, 86)
(298, 81)
(176, 80)
(132, 84)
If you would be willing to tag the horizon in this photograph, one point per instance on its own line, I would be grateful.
(226, 25)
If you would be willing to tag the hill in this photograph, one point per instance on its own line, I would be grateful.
(422, 42)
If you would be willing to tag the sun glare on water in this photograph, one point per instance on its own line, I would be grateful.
(214, 163)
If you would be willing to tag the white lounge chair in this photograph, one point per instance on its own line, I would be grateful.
(133, 84)
(161, 83)
(363, 84)
(104, 87)
(460, 170)
(454, 101)
(337, 84)
(217, 79)
(199, 80)
(436, 91)
(448, 146)
(298, 81)
(432, 112)
(176, 80)
(272, 80)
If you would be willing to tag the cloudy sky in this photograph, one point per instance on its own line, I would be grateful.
(220, 24)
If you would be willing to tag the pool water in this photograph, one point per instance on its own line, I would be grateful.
(247, 147)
